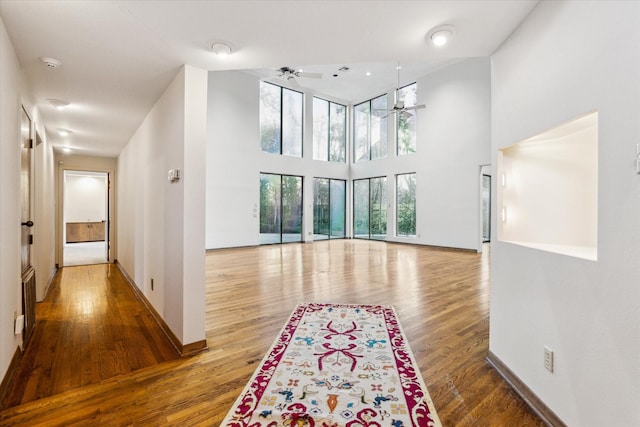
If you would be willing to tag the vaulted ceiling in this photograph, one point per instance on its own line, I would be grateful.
(118, 56)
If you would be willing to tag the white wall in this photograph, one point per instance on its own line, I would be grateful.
(453, 141)
(161, 224)
(10, 280)
(44, 213)
(15, 94)
(85, 198)
(567, 59)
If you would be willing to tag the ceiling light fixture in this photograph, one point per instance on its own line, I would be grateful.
(221, 50)
(63, 132)
(441, 35)
(58, 104)
(51, 62)
(66, 149)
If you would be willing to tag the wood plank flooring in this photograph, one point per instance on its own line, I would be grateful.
(442, 301)
(90, 327)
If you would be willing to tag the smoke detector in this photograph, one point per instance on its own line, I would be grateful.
(58, 104)
(51, 62)
(221, 49)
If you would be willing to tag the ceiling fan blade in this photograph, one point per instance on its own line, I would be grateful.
(414, 107)
(308, 75)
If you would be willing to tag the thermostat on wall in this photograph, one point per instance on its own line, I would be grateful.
(174, 175)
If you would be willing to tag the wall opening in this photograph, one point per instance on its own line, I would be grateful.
(86, 218)
(548, 190)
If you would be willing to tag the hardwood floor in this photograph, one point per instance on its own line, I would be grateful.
(89, 328)
(442, 301)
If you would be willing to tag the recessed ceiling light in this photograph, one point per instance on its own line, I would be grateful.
(51, 62)
(368, 73)
(441, 35)
(221, 49)
(63, 132)
(58, 103)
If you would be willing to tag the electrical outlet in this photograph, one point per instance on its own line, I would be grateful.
(548, 359)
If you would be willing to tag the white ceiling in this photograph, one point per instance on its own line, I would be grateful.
(119, 56)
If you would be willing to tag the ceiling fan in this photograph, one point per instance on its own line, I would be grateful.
(288, 73)
(399, 107)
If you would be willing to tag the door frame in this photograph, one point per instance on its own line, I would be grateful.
(27, 270)
(106, 203)
(81, 165)
(484, 169)
(30, 189)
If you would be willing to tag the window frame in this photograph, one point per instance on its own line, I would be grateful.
(329, 103)
(397, 122)
(281, 206)
(281, 111)
(415, 206)
(330, 235)
(369, 208)
(383, 122)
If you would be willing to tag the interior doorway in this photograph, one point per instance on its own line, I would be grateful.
(85, 228)
(26, 201)
(486, 208)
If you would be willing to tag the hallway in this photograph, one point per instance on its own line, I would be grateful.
(90, 327)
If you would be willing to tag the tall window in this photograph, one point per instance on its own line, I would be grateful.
(370, 208)
(280, 208)
(329, 202)
(406, 121)
(370, 129)
(329, 131)
(406, 204)
(280, 120)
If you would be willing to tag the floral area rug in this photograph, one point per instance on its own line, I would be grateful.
(336, 365)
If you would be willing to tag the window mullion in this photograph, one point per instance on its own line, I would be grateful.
(329, 131)
(329, 207)
(370, 148)
(281, 137)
